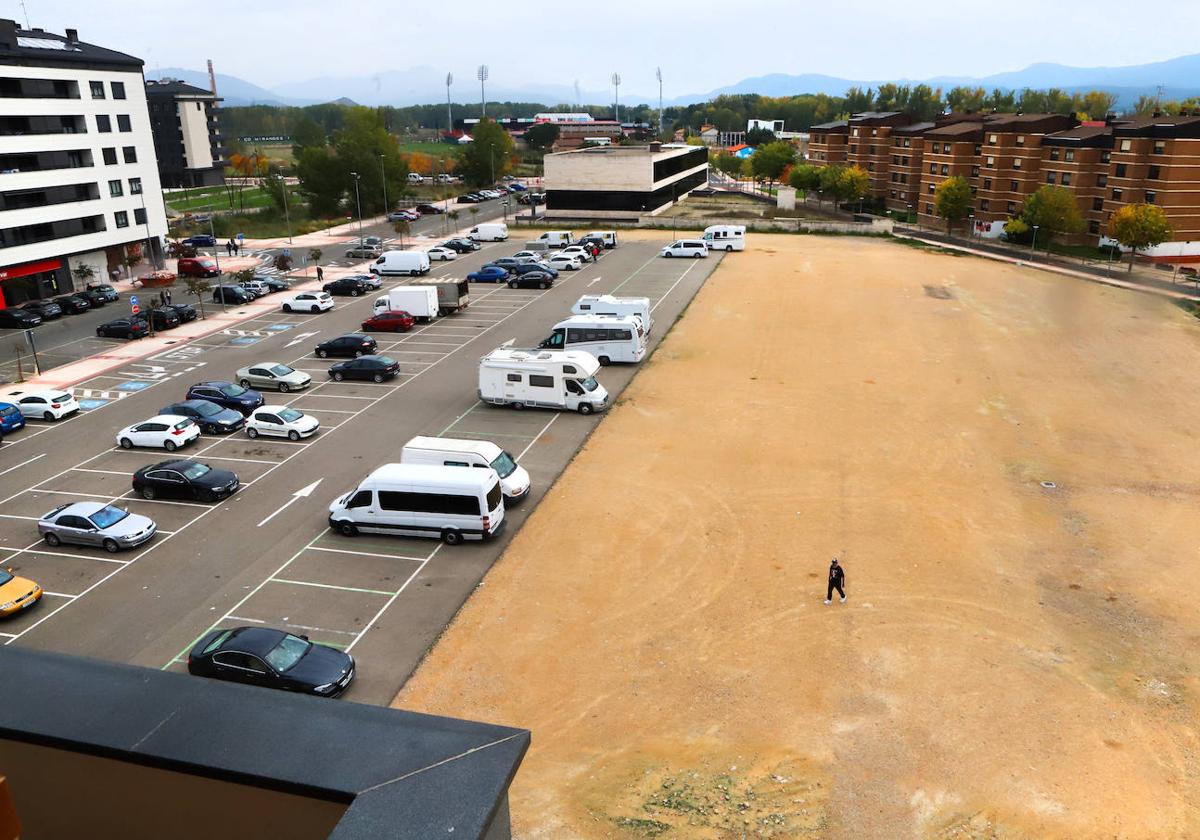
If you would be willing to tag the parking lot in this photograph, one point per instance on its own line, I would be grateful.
(265, 556)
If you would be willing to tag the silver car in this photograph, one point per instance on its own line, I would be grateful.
(273, 375)
(95, 524)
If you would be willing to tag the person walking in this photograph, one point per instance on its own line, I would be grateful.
(229, 248)
(837, 579)
(167, 297)
(320, 274)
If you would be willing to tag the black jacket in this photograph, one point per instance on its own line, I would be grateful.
(836, 575)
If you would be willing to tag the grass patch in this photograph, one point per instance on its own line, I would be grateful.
(429, 147)
(645, 828)
(263, 224)
(205, 199)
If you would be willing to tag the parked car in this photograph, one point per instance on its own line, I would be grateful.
(696, 248)
(507, 263)
(430, 208)
(523, 267)
(95, 524)
(397, 215)
(443, 253)
(201, 240)
(489, 274)
(369, 281)
(230, 294)
(47, 310)
(536, 256)
(197, 267)
(185, 311)
(389, 321)
(47, 405)
(95, 298)
(364, 252)
(226, 395)
(461, 245)
(345, 286)
(18, 319)
(281, 421)
(17, 593)
(73, 304)
(211, 418)
(470, 198)
(351, 344)
(273, 284)
(255, 287)
(308, 302)
(516, 186)
(130, 327)
(185, 479)
(374, 368)
(163, 317)
(273, 375)
(271, 659)
(166, 431)
(11, 418)
(107, 290)
(531, 280)
(570, 262)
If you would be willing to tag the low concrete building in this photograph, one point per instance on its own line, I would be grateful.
(621, 182)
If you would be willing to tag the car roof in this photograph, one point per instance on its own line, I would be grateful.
(42, 393)
(162, 418)
(275, 409)
(83, 508)
(173, 464)
(256, 640)
(213, 383)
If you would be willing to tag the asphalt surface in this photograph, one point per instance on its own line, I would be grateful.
(265, 556)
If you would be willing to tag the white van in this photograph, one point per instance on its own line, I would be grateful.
(608, 237)
(565, 380)
(415, 178)
(725, 237)
(686, 248)
(416, 500)
(612, 305)
(491, 232)
(412, 263)
(610, 338)
(452, 452)
(556, 238)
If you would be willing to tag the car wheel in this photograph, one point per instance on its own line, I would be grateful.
(323, 354)
(284, 387)
(585, 408)
(210, 430)
(148, 493)
(347, 529)
(338, 376)
(315, 310)
(668, 255)
(111, 546)
(100, 334)
(251, 432)
(378, 377)
(169, 446)
(604, 360)
(48, 416)
(126, 443)
(518, 406)
(354, 293)
(293, 435)
(414, 274)
(451, 537)
(245, 383)
(287, 308)
(512, 284)
(728, 249)
(542, 285)
(52, 540)
(358, 354)
(206, 496)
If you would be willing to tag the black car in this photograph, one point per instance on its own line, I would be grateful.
(429, 208)
(372, 368)
(93, 296)
(110, 294)
(185, 311)
(230, 294)
(471, 198)
(18, 319)
(509, 264)
(272, 659)
(201, 240)
(274, 284)
(123, 328)
(461, 246)
(226, 395)
(345, 286)
(703, 191)
(73, 304)
(184, 479)
(163, 317)
(47, 310)
(209, 416)
(352, 344)
(537, 279)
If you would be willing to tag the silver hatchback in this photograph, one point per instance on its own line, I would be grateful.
(95, 524)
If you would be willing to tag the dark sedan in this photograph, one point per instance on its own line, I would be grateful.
(429, 208)
(353, 344)
(274, 284)
(272, 659)
(470, 198)
(461, 246)
(73, 304)
(185, 311)
(345, 286)
(201, 240)
(185, 479)
(47, 310)
(209, 416)
(370, 368)
(123, 328)
(110, 294)
(226, 395)
(18, 319)
(531, 280)
(95, 297)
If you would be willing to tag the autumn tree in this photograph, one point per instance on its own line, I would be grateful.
(488, 157)
(953, 200)
(1053, 211)
(805, 178)
(770, 160)
(1138, 226)
(1097, 104)
(728, 163)
(854, 184)
(830, 182)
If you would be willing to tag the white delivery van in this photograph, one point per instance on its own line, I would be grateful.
(556, 239)
(608, 237)
(725, 237)
(415, 178)
(686, 248)
(421, 302)
(452, 452)
(412, 263)
(610, 338)
(490, 232)
(611, 305)
(542, 378)
(415, 500)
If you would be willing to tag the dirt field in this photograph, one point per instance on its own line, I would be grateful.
(1016, 660)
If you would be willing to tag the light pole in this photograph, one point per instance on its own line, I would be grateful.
(213, 232)
(661, 118)
(482, 74)
(358, 201)
(449, 113)
(492, 156)
(383, 179)
(286, 215)
(1033, 241)
(616, 80)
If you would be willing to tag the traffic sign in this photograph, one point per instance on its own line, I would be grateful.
(241, 237)
(135, 309)
(287, 252)
(133, 304)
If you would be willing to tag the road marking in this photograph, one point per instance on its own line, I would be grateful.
(392, 599)
(101, 472)
(323, 630)
(459, 417)
(15, 516)
(368, 554)
(302, 493)
(331, 586)
(594, 282)
(672, 288)
(23, 463)
(63, 554)
(241, 618)
(300, 338)
(58, 594)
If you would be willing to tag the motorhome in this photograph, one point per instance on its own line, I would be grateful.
(610, 338)
(612, 305)
(416, 500)
(556, 238)
(453, 452)
(725, 237)
(421, 302)
(542, 378)
(412, 263)
(489, 232)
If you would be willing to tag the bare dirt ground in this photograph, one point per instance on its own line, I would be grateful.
(1017, 660)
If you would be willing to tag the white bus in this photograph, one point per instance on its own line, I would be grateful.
(610, 338)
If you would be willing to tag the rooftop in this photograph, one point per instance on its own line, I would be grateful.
(174, 87)
(38, 47)
(628, 151)
(830, 126)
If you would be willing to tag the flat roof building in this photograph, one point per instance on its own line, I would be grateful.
(187, 134)
(621, 182)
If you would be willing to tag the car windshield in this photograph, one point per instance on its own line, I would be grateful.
(590, 383)
(288, 652)
(281, 370)
(231, 390)
(504, 465)
(5, 577)
(207, 409)
(107, 516)
(6, 410)
(290, 415)
(194, 471)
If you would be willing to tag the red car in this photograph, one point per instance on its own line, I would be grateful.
(198, 267)
(391, 321)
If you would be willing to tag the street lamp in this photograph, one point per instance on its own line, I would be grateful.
(286, 215)
(661, 122)
(213, 232)
(449, 113)
(383, 178)
(482, 74)
(358, 201)
(616, 80)
(1033, 241)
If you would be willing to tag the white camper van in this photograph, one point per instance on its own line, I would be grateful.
(421, 302)
(612, 305)
(542, 378)
(725, 237)
(416, 500)
(610, 338)
(490, 232)
(697, 248)
(412, 263)
(483, 454)
(556, 238)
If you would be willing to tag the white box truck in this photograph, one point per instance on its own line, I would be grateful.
(610, 338)
(725, 237)
(612, 305)
(453, 295)
(412, 263)
(421, 302)
(489, 232)
(556, 238)
(454, 452)
(542, 378)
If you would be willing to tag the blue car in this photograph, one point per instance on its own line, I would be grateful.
(201, 240)
(11, 418)
(489, 274)
(226, 395)
(515, 187)
(210, 417)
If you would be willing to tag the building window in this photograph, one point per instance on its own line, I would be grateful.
(118, 90)
(1014, 186)
(1020, 139)
(1126, 145)
(1151, 196)
(1101, 180)
(987, 183)
(135, 186)
(932, 189)
(992, 138)
(945, 169)
(1050, 176)
(121, 218)
(854, 133)
(1154, 173)
(1054, 153)
(1093, 226)
(933, 169)
(1016, 163)
(139, 216)
(929, 209)
(1070, 154)
(907, 143)
(983, 205)
(1160, 147)
(990, 163)
(978, 149)
(892, 193)
(974, 171)
(97, 89)
(1097, 204)
(1012, 207)
(123, 123)
(114, 188)
(1121, 170)
(1066, 179)
(110, 155)
(103, 123)
(903, 195)
(130, 154)
(1105, 157)
(1117, 194)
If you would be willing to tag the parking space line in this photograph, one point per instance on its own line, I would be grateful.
(58, 594)
(490, 433)
(340, 396)
(23, 463)
(330, 586)
(62, 554)
(8, 635)
(201, 505)
(392, 599)
(250, 620)
(101, 472)
(538, 436)
(368, 554)
(15, 516)
(324, 630)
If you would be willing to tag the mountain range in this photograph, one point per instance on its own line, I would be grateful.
(1178, 78)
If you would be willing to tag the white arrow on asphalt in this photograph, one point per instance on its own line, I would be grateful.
(302, 493)
(299, 338)
(509, 343)
(594, 282)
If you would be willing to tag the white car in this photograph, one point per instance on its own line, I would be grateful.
(281, 421)
(440, 253)
(308, 302)
(371, 281)
(562, 261)
(578, 251)
(696, 248)
(537, 256)
(164, 431)
(46, 405)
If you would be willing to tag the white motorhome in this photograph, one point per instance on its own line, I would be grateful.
(416, 500)
(725, 237)
(489, 232)
(452, 452)
(556, 238)
(610, 338)
(421, 302)
(412, 263)
(608, 237)
(541, 378)
(611, 305)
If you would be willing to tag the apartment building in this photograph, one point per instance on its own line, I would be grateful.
(905, 157)
(187, 134)
(869, 145)
(1010, 169)
(79, 183)
(827, 143)
(1079, 158)
(950, 150)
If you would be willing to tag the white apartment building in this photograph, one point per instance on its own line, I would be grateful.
(187, 135)
(79, 181)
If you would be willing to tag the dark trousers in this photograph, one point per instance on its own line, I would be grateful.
(833, 584)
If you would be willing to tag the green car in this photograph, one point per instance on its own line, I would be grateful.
(273, 375)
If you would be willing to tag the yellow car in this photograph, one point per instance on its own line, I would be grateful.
(17, 593)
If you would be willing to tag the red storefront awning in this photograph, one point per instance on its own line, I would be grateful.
(38, 267)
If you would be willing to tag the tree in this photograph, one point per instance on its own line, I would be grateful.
(364, 145)
(953, 200)
(84, 273)
(805, 178)
(1138, 226)
(199, 287)
(728, 163)
(831, 178)
(402, 228)
(1015, 229)
(770, 160)
(306, 133)
(314, 257)
(1097, 104)
(759, 137)
(453, 216)
(854, 184)
(1053, 211)
(275, 186)
(321, 181)
(541, 135)
(488, 157)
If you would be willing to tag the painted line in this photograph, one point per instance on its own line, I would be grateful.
(368, 554)
(59, 594)
(9, 635)
(331, 586)
(323, 630)
(63, 554)
(672, 288)
(250, 620)
(101, 472)
(537, 437)
(15, 516)
(23, 463)
(459, 417)
(392, 600)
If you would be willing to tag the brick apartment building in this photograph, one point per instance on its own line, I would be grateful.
(827, 143)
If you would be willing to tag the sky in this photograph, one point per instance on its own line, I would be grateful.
(700, 44)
